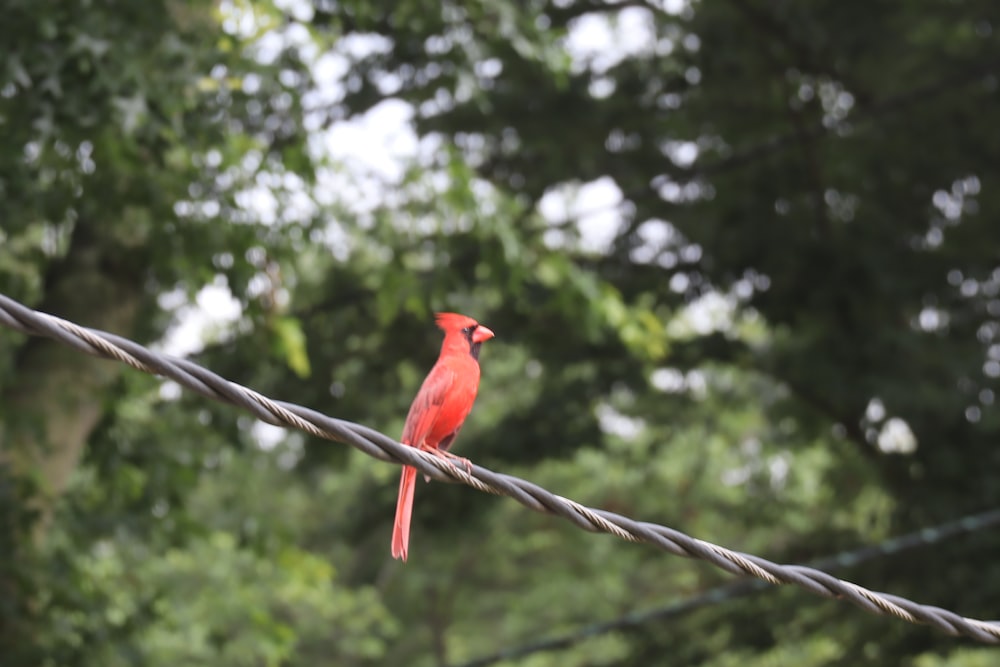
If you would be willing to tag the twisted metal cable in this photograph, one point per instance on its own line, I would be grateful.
(102, 344)
(743, 588)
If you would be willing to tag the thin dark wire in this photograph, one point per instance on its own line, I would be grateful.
(21, 318)
(743, 588)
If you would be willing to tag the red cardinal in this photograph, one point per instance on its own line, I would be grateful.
(442, 404)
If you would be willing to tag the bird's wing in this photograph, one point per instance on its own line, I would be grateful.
(426, 407)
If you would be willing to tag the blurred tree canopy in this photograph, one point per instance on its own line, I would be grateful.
(779, 330)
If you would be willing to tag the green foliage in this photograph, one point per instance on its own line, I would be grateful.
(788, 346)
(290, 342)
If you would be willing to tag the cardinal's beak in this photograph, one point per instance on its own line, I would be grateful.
(481, 333)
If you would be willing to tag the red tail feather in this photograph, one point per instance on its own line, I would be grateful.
(404, 511)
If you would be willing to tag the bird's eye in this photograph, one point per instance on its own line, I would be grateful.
(467, 330)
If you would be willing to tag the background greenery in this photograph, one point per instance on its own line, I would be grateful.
(790, 344)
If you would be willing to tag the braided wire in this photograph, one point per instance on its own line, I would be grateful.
(16, 316)
(742, 588)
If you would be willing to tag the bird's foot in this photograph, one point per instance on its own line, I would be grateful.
(459, 460)
(450, 458)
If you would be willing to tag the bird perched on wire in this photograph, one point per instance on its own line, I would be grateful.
(440, 408)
